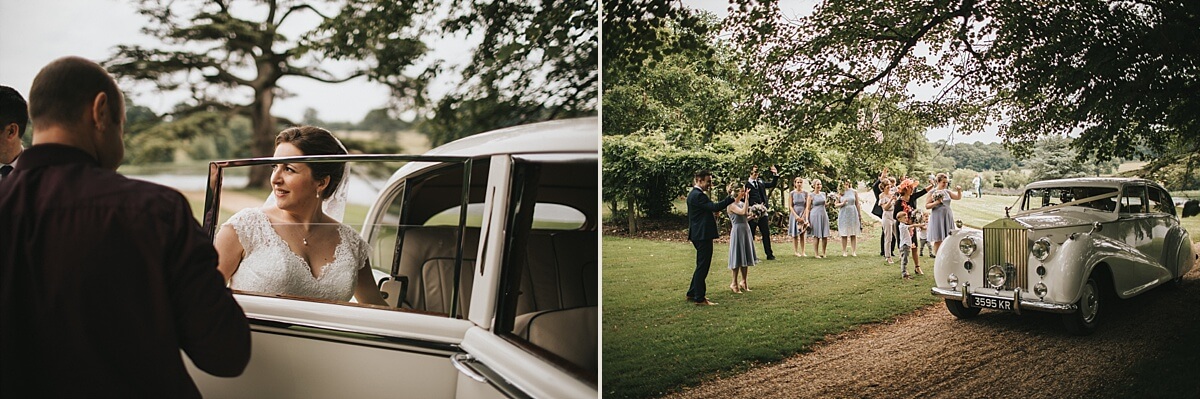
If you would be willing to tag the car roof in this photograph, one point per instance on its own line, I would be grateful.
(561, 136)
(579, 135)
(1091, 182)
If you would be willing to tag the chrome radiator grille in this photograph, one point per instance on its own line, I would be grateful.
(1009, 248)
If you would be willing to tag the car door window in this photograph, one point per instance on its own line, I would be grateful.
(1133, 199)
(548, 296)
(1159, 202)
(432, 284)
(427, 241)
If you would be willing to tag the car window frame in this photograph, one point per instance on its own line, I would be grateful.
(216, 177)
(1121, 203)
(518, 227)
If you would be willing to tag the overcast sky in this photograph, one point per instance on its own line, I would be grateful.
(797, 8)
(33, 33)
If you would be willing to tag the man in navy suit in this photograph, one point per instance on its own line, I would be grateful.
(702, 229)
(758, 195)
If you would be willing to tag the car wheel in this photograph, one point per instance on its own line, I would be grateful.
(957, 309)
(1083, 321)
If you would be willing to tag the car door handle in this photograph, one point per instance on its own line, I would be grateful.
(460, 361)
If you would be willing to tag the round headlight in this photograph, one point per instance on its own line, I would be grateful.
(952, 280)
(1040, 290)
(1040, 249)
(967, 245)
(995, 276)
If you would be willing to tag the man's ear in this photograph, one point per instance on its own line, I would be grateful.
(11, 129)
(100, 111)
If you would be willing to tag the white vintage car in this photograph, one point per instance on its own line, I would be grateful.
(488, 249)
(1070, 247)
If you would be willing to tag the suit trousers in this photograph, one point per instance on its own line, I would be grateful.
(763, 225)
(698, 289)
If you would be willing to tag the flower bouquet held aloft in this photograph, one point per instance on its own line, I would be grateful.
(757, 210)
(939, 196)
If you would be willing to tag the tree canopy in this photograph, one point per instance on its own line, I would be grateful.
(213, 47)
(537, 59)
(1115, 74)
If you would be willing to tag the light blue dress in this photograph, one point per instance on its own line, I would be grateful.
(741, 243)
(848, 223)
(817, 218)
(798, 200)
(941, 219)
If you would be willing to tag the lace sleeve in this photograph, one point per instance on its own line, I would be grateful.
(249, 231)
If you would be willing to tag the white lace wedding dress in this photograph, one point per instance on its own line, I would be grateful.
(270, 267)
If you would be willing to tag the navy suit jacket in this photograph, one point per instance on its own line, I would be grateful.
(701, 223)
(758, 195)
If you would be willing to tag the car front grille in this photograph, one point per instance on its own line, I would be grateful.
(1007, 245)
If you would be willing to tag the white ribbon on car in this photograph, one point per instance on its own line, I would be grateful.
(1066, 204)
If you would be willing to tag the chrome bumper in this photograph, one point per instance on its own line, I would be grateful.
(1019, 303)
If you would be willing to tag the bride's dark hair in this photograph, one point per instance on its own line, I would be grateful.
(312, 140)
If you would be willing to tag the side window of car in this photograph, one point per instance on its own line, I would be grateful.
(1159, 201)
(549, 287)
(424, 256)
(1133, 199)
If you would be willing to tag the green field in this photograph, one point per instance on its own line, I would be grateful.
(655, 342)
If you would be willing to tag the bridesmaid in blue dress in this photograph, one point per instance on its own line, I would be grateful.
(941, 217)
(798, 220)
(818, 219)
(849, 224)
(741, 242)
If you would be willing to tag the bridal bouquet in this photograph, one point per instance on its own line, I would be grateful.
(757, 211)
(939, 196)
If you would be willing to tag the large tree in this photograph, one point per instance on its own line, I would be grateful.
(217, 49)
(1116, 74)
(536, 60)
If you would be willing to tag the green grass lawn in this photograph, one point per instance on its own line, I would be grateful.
(655, 342)
(977, 212)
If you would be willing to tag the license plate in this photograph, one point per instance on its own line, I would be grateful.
(991, 303)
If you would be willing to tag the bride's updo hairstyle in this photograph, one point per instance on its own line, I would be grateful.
(312, 140)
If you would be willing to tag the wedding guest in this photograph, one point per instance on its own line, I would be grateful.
(818, 219)
(797, 200)
(907, 194)
(108, 281)
(14, 116)
(906, 240)
(741, 242)
(758, 195)
(887, 200)
(921, 240)
(702, 229)
(876, 209)
(941, 217)
(849, 225)
(978, 182)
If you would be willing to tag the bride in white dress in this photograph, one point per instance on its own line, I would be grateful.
(295, 244)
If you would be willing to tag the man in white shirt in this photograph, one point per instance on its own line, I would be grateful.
(14, 116)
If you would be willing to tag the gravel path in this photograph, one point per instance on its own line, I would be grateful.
(929, 353)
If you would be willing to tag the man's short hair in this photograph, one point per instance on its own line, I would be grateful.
(66, 87)
(700, 175)
(13, 109)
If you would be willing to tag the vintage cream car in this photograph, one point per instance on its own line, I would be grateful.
(1070, 247)
(488, 251)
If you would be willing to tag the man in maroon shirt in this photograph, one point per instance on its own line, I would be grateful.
(103, 279)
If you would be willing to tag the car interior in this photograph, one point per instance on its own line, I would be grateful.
(553, 288)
